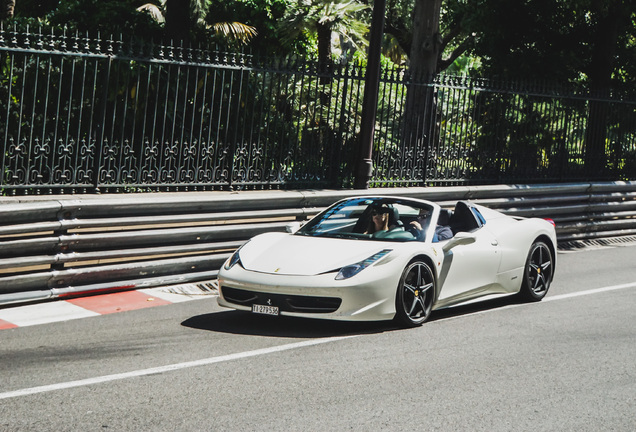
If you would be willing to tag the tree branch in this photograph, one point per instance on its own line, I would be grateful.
(443, 64)
(401, 35)
(449, 36)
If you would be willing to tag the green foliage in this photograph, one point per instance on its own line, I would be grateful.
(263, 15)
(399, 23)
(464, 65)
(346, 18)
(34, 8)
(325, 120)
(107, 17)
(584, 44)
(549, 40)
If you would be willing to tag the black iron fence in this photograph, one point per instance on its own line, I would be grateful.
(84, 115)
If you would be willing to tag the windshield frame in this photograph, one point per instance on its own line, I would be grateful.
(350, 219)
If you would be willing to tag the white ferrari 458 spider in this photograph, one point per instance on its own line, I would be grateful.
(380, 258)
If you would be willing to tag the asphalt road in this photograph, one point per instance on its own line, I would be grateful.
(565, 364)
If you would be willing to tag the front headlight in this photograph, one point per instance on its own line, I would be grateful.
(234, 259)
(353, 269)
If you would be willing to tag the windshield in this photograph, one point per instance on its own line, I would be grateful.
(385, 219)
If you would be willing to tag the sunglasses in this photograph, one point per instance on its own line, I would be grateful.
(378, 212)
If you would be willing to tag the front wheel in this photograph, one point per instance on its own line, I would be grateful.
(415, 295)
(538, 272)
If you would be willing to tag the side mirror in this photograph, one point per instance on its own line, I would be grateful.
(461, 238)
(292, 227)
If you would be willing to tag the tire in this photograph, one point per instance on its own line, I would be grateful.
(415, 295)
(538, 272)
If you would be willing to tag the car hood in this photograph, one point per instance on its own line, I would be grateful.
(289, 254)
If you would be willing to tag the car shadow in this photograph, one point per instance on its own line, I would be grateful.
(247, 323)
(477, 307)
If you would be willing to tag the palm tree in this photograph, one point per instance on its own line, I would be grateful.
(323, 18)
(234, 31)
(180, 16)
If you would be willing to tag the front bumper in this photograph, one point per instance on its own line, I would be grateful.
(368, 296)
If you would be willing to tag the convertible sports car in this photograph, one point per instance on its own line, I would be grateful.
(379, 258)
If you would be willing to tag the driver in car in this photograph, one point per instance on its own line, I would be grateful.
(379, 219)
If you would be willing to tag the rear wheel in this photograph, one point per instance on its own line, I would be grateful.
(538, 272)
(415, 294)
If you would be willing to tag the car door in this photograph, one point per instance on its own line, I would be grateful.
(469, 269)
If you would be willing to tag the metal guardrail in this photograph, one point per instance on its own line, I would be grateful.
(61, 246)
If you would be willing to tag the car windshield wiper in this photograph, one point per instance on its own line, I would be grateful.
(313, 234)
(329, 234)
(354, 236)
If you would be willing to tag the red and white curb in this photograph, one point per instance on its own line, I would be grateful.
(83, 307)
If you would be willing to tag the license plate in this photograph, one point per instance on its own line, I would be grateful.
(265, 310)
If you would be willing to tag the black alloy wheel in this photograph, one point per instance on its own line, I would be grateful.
(538, 272)
(415, 295)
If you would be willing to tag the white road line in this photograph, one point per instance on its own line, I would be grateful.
(547, 299)
(590, 292)
(168, 368)
(254, 353)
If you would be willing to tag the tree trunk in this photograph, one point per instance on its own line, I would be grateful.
(426, 44)
(6, 9)
(324, 52)
(610, 23)
(419, 117)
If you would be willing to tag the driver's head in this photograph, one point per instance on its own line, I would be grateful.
(379, 209)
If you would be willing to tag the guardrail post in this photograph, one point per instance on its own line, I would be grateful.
(61, 248)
